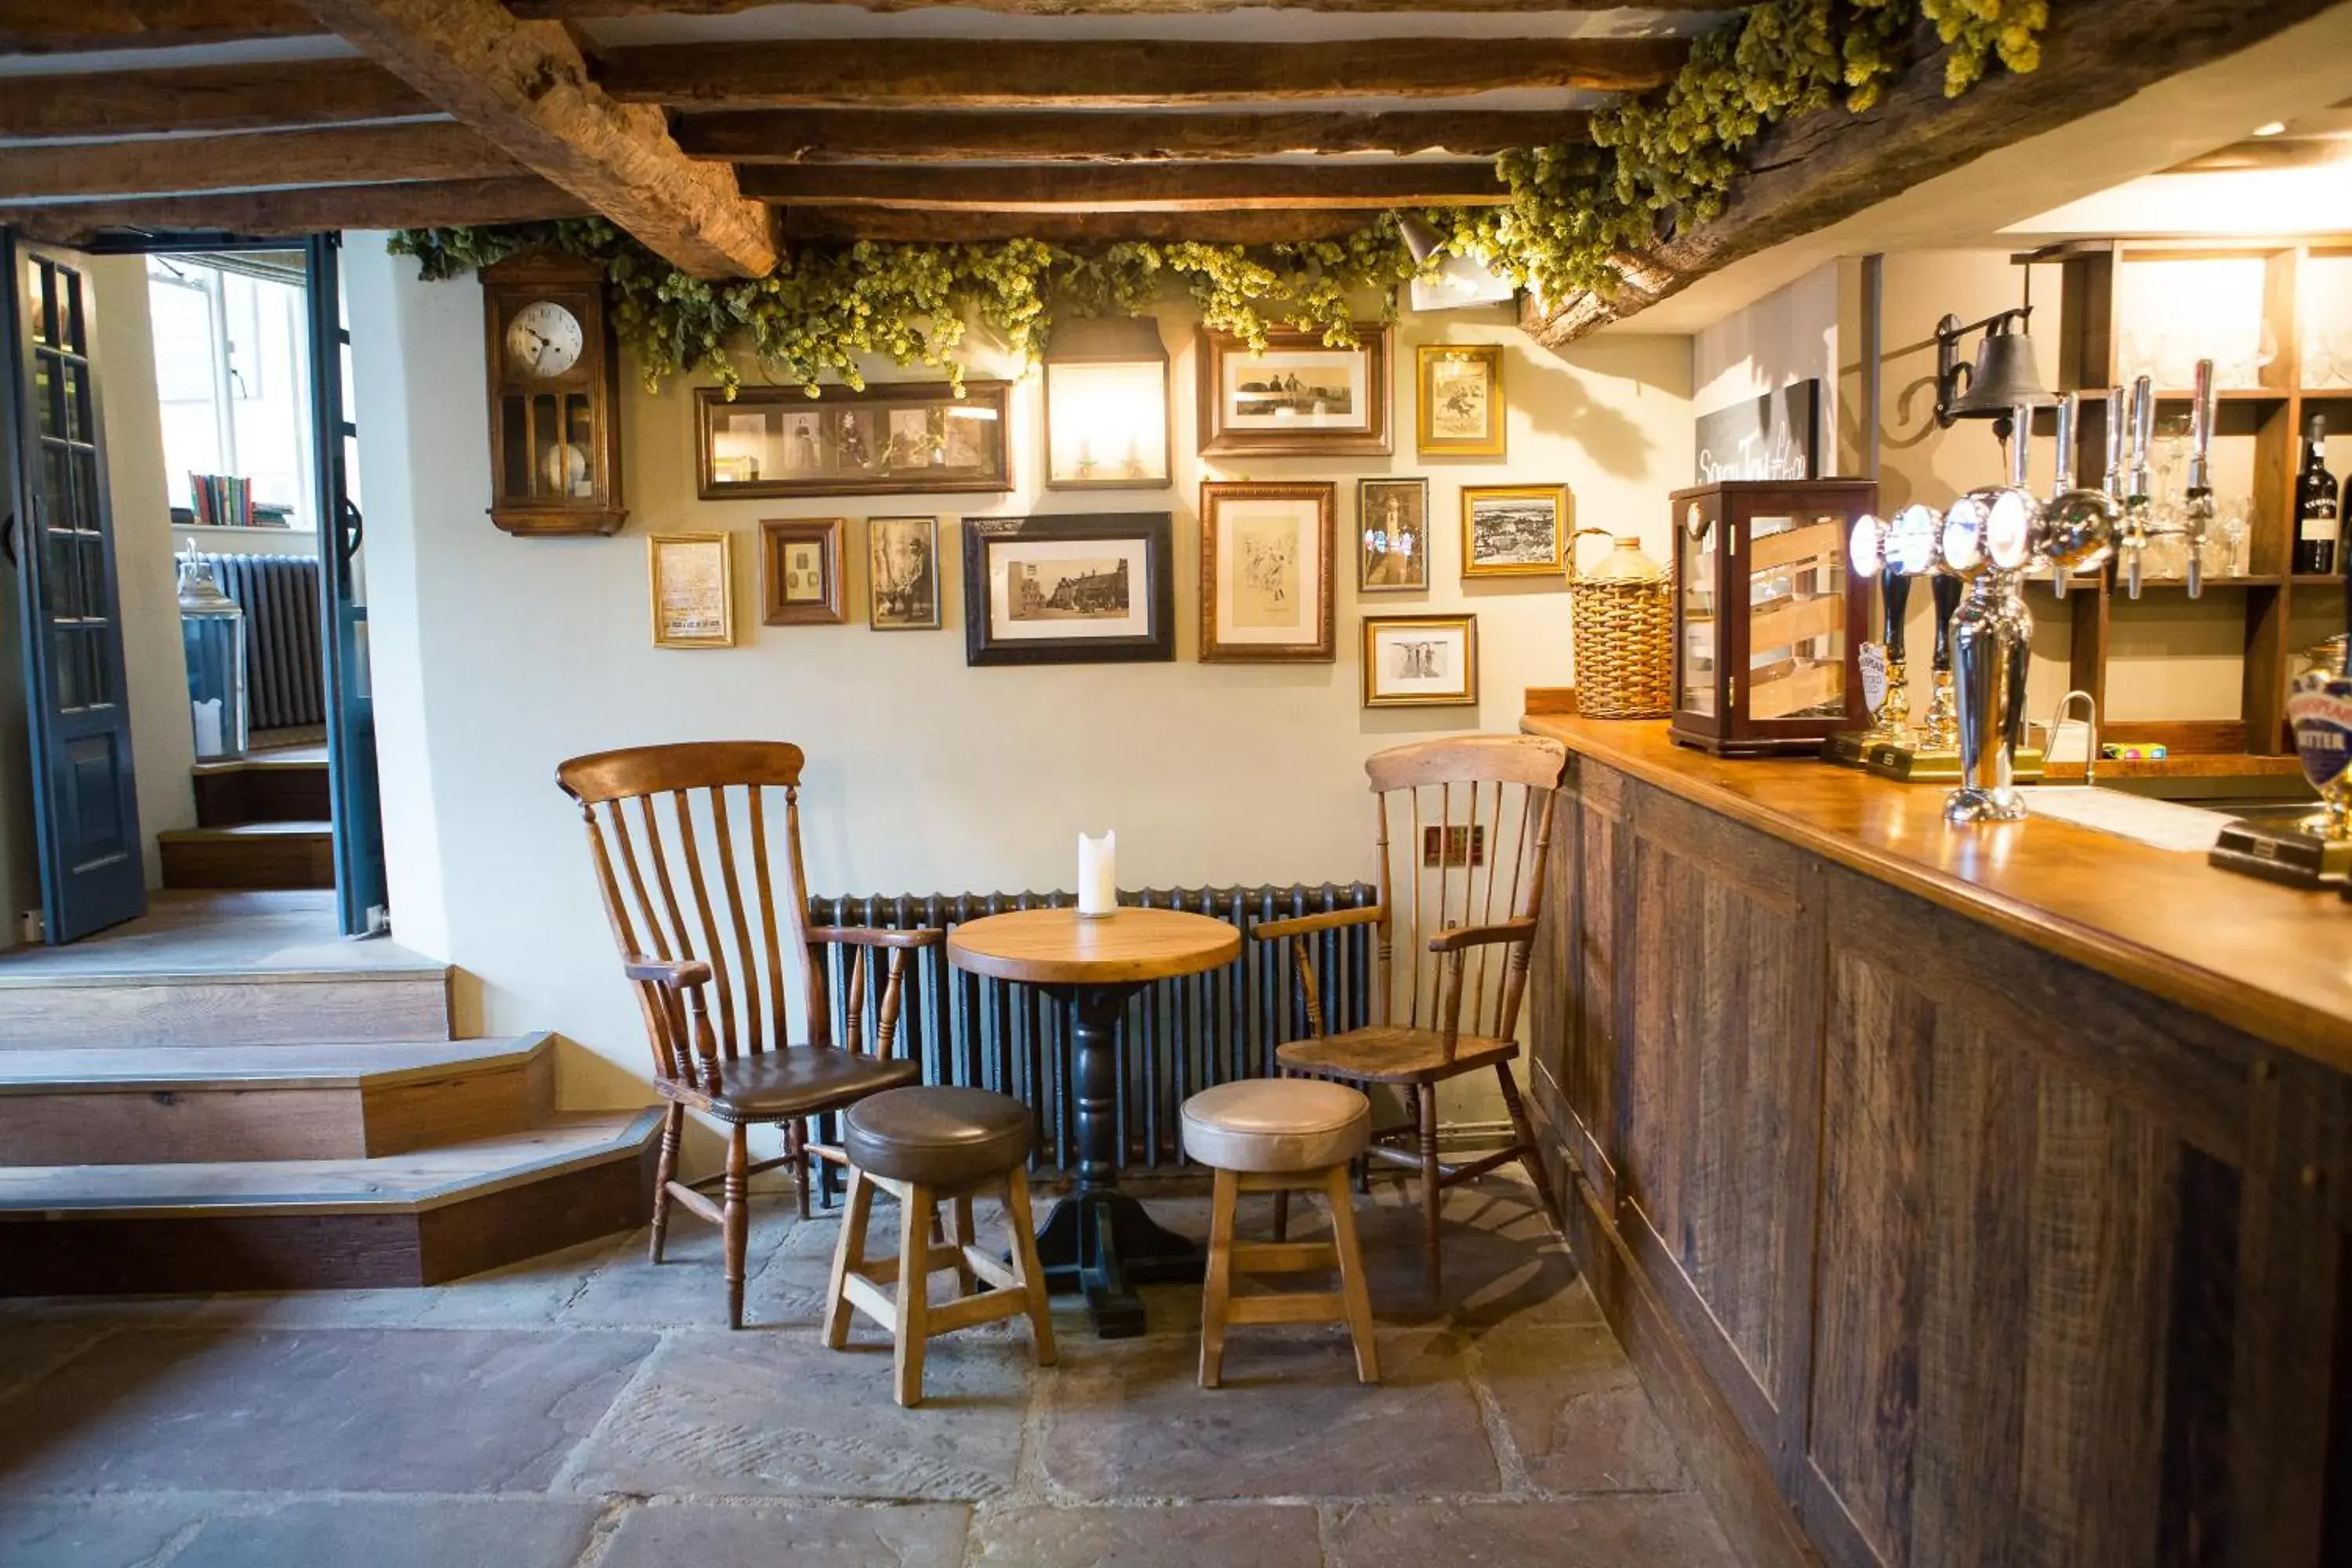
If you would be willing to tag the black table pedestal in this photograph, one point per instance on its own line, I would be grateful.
(1098, 1239)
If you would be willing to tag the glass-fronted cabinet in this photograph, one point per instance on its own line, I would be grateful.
(1767, 621)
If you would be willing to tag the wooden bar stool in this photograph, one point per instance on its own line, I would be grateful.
(927, 1147)
(1281, 1135)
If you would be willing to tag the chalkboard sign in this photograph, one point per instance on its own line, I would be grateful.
(1775, 436)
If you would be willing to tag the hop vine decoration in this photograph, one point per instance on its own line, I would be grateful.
(1656, 165)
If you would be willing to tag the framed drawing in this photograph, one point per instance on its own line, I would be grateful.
(1266, 571)
(800, 572)
(1300, 398)
(1391, 535)
(1513, 530)
(897, 439)
(1421, 661)
(693, 587)
(902, 574)
(1459, 400)
(1082, 588)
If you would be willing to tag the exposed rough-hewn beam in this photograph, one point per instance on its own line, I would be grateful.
(58, 27)
(833, 73)
(824, 135)
(524, 85)
(420, 204)
(1254, 226)
(204, 98)
(1828, 165)
(1149, 187)
(342, 155)
(585, 8)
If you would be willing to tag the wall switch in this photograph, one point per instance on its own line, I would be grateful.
(1453, 846)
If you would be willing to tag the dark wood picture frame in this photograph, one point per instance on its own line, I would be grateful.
(1217, 644)
(875, 619)
(1417, 580)
(984, 399)
(1155, 531)
(1374, 342)
(778, 534)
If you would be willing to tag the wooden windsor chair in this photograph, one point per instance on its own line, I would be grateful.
(1440, 948)
(718, 1019)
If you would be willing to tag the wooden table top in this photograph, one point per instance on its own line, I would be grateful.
(1055, 947)
(2274, 961)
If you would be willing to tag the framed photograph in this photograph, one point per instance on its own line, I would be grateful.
(693, 586)
(1081, 588)
(1458, 397)
(902, 574)
(1300, 398)
(1266, 571)
(882, 439)
(1391, 535)
(1513, 530)
(800, 572)
(1421, 661)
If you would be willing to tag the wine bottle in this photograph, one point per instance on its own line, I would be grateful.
(2315, 507)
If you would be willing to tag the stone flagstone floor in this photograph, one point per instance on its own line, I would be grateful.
(588, 1410)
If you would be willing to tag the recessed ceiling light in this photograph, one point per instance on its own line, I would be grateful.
(2272, 129)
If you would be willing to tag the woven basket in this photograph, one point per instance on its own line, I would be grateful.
(1625, 642)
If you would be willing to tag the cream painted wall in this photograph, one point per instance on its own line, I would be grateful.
(495, 658)
(1789, 336)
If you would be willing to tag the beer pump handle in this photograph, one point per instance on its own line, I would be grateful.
(1894, 594)
(2021, 444)
(2133, 538)
(2197, 512)
(2070, 413)
(2118, 439)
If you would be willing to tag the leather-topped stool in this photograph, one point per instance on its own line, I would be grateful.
(929, 1147)
(1281, 1135)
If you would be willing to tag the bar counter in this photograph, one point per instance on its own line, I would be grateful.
(1966, 1196)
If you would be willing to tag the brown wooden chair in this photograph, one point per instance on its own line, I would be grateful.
(1475, 815)
(715, 930)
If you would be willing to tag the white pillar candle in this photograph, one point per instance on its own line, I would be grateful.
(1097, 875)
(208, 726)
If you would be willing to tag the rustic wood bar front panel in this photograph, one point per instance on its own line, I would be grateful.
(1951, 1251)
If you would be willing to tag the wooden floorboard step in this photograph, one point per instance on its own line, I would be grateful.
(172, 1104)
(250, 855)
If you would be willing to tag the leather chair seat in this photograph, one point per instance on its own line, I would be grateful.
(793, 1080)
(1276, 1126)
(936, 1136)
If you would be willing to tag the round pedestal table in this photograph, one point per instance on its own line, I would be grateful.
(1098, 1239)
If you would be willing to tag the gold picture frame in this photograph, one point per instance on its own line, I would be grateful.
(1515, 531)
(1420, 661)
(1459, 410)
(1300, 398)
(800, 570)
(1263, 600)
(691, 579)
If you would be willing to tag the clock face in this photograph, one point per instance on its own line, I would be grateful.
(542, 339)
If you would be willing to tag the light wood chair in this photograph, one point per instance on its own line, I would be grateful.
(1475, 813)
(927, 1148)
(724, 942)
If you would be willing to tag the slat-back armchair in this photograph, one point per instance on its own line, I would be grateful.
(1464, 826)
(715, 944)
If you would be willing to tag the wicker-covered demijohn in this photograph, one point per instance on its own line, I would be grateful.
(1622, 614)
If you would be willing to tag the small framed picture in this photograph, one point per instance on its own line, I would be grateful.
(902, 574)
(1077, 588)
(1391, 535)
(1300, 398)
(1421, 661)
(1458, 396)
(693, 585)
(1513, 530)
(1266, 571)
(800, 572)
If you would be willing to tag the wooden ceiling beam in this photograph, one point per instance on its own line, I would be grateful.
(343, 155)
(579, 9)
(1829, 165)
(269, 214)
(1249, 226)
(1152, 187)
(72, 26)
(204, 99)
(526, 87)
(939, 73)
(825, 135)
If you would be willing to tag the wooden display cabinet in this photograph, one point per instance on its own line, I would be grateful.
(1769, 620)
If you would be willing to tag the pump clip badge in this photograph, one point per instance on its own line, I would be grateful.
(2320, 710)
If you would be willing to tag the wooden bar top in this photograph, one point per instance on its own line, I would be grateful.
(2270, 960)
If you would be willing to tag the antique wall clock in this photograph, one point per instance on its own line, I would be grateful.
(555, 448)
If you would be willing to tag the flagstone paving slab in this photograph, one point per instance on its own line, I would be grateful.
(507, 1532)
(803, 1535)
(1239, 1535)
(1577, 1412)
(105, 1534)
(1672, 1530)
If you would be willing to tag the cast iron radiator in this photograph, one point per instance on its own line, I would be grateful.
(1181, 1036)
(279, 595)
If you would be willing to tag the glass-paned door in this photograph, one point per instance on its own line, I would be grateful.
(61, 533)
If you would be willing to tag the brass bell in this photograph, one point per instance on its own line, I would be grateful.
(2001, 379)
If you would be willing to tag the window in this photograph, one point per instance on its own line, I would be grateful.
(231, 374)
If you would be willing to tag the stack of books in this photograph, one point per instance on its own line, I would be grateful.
(221, 500)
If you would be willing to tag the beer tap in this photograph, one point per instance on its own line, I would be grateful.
(1988, 540)
(2138, 502)
(2119, 442)
(2196, 510)
(2075, 530)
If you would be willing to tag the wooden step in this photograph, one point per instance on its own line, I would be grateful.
(268, 786)
(417, 1218)
(170, 1104)
(250, 855)
(46, 1008)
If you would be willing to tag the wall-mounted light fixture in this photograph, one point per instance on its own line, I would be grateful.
(1460, 281)
(1107, 423)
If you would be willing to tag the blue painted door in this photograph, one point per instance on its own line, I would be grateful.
(361, 901)
(60, 538)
